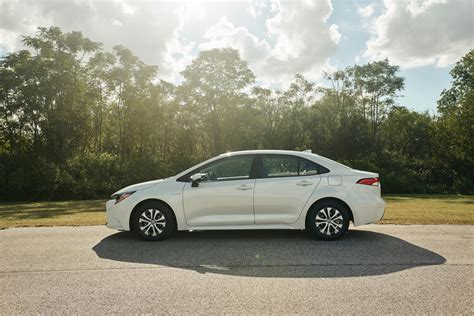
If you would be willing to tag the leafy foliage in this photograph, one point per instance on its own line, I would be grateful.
(80, 122)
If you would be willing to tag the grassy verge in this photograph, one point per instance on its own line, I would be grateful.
(401, 209)
(429, 209)
(62, 213)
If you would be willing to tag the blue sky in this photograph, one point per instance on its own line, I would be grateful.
(278, 38)
(423, 84)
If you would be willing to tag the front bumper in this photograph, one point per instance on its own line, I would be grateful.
(116, 218)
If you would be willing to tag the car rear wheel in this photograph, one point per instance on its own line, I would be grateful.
(328, 220)
(154, 221)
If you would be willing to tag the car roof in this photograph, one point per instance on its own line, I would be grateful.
(305, 154)
(266, 151)
(326, 162)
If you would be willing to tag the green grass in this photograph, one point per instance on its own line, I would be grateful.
(401, 209)
(429, 209)
(63, 213)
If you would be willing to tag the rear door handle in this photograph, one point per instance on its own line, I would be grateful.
(244, 187)
(304, 183)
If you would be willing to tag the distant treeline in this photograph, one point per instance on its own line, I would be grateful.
(80, 122)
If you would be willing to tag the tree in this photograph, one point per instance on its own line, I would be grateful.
(408, 133)
(376, 85)
(97, 69)
(462, 85)
(295, 104)
(44, 104)
(130, 83)
(406, 160)
(339, 126)
(77, 121)
(57, 92)
(213, 84)
(269, 116)
(455, 126)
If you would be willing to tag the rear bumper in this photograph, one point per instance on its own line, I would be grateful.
(367, 206)
(370, 211)
(379, 210)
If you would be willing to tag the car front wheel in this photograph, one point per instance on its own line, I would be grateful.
(154, 221)
(328, 220)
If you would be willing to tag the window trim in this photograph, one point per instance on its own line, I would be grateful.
(259, 162)
(260, 166)
(252, 175)
(321, 168)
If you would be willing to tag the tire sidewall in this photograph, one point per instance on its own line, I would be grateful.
(167, 213)
(312, 216)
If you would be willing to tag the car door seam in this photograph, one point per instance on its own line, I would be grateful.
(309, 198)
(253, 199)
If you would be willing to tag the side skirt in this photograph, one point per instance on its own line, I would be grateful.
(242, 227)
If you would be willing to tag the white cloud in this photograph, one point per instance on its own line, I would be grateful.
(150, 30)
(302, 36)
(298, 41)
(290, 37)
(225, 34)
(366, 11)
(334, 33)
(418, 33)
(256, 7)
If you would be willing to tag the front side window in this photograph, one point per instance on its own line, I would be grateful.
(233, 168)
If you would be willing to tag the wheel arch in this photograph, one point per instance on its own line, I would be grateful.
(325, 199)
(139, 204)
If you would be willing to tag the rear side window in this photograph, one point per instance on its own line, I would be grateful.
(279, 166)
(289, 166)
(308, 168)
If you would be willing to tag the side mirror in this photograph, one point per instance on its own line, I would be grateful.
(196, 178)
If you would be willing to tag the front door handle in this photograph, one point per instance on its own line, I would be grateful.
(304, 183)
(244, 187)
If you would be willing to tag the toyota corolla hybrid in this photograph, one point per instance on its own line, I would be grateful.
(256, 189)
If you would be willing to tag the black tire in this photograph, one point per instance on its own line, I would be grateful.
(160, 218)
(328, 229)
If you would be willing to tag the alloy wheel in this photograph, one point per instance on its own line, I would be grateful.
(152, 222)
(329, 221)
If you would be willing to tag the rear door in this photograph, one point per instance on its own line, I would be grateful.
(283, 186)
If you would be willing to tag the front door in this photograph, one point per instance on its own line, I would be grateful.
(224, 197)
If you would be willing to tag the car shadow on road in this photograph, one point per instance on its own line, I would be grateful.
(283, 254)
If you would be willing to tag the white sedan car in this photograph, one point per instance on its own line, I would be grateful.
(255, 189)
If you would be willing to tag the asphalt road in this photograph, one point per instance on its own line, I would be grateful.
(375, 269)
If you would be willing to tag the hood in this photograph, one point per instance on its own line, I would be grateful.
(140, 186)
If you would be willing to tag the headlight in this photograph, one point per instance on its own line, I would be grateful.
(122, 196)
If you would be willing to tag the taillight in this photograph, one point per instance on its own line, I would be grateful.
(370, 181)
